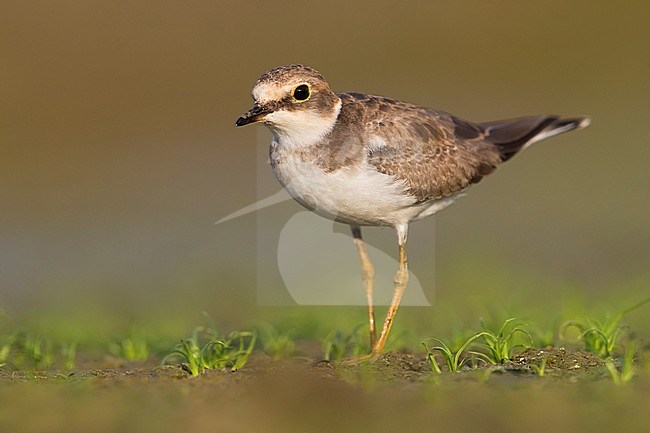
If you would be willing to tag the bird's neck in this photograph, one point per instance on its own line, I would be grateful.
(301, 129)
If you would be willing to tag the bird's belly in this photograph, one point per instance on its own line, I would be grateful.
(356, 194)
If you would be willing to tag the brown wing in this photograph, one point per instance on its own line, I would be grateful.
(434, 153)
(437, 154)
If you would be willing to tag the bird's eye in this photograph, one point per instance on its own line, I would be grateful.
(301, 93)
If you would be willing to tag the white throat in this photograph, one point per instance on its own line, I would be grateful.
(301, 128)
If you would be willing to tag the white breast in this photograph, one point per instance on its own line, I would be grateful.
(353, 195)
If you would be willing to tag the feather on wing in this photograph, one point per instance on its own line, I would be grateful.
(434, 153)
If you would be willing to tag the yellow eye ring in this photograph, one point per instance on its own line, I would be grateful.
(301, 92)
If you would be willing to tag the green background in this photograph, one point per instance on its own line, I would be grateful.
(119, 150)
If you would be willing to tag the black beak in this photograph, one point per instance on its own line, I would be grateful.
(255, 114)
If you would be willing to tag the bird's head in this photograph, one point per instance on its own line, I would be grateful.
(295, 102)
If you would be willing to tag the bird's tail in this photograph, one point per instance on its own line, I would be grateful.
(513, 135)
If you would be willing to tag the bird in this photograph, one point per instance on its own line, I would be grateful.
(367, 160)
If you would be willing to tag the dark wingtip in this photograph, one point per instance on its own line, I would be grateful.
(577, 122)
(510, 136)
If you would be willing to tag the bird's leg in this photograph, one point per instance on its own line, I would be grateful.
(368, 275)
(401, 280)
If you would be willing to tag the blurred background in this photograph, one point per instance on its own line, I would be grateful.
(118, 152)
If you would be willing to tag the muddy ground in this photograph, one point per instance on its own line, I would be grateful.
(394, 367)
(396, 393)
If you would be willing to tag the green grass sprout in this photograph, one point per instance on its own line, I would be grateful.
(337, 345)
(544, 336)
(277, 343)
(24, 350)
(69, 353)
(6, 346)
(231, 353)
(626, 370)
(540, 369)
(601, 336)
(37, 351)
(189, 352)
(205, 350)
(502, 344)
(134, 348)
(452, 358)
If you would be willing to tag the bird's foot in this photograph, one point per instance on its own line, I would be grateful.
(362, 359)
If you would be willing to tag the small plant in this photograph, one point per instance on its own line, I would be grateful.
(133, 348)
(544, 336)
(626, 371)
(231, 353)
(452, 358)
(207, 350)
(502, 344)
(276, 343)
(69, 352)
(6, 346)
(23, 350)
(190, 354)
(540, 369)
(338, 345)
(598, 336)
(37, 352)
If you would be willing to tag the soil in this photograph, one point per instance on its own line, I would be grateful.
(391, 367)
(556, 362)
(396, 393)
